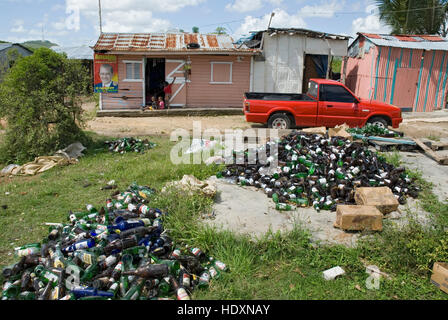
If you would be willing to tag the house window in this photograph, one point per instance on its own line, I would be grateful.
(221, 72)
(133, 71)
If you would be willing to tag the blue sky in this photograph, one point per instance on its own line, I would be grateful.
(75, 22)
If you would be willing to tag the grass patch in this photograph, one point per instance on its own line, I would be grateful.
(277, 266)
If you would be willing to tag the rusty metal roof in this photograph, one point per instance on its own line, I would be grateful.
(166, 42)
(427, 42)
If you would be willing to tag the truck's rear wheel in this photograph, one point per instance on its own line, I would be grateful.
(279, 121)
(378, 121)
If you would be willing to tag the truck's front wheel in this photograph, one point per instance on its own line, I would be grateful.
(378, 121)
(279, 121)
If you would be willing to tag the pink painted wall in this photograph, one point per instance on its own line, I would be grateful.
(372, 77)
(199, 92)
(130, 94)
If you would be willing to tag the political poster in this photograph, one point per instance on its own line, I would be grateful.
(106, 73)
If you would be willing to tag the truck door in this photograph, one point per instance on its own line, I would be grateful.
(337, 106)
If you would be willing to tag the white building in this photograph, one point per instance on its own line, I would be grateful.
(290, 57)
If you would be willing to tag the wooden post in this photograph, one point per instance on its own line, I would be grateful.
(330, 59)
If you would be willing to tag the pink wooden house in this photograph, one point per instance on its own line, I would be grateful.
(409, 71)
(210, 70)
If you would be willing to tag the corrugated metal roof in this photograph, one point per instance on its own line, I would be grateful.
(4, 46)
(163, 42)
(81, 52)
(427, 42)
(308, 33)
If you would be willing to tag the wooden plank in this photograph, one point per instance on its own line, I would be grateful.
(431, 153)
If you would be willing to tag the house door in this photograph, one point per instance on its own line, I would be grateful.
(175, 68)
(406, 86)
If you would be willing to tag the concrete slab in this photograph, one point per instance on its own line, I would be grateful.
(430, 169)
(247, 210)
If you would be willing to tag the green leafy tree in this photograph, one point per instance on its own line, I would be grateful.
(414, 16)
(220, 30)
(40, 98)
(195, 30)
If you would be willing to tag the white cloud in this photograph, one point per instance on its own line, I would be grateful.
(245, 5)
(370, 23)
(323, 10)
(250, 5)
(89, 6)
(133, 21)
(282, 19)
(18, 26)
(275, 2)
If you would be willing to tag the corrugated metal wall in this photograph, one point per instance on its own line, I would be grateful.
(414, 80)
(282, 70)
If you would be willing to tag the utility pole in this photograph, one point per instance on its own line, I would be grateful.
(101, 24)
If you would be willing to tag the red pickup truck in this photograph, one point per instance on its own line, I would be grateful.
(327, 103)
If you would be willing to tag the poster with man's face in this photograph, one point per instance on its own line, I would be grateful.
(106, 73)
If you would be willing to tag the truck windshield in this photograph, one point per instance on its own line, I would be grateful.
(312, 89)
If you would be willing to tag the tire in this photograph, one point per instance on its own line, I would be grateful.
(378, 121)
(279, 121)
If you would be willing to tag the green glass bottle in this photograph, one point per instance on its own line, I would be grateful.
(27, 295)
(46, 275)
(301, 202)
(90, 272)
(204, 280)
(283, 207)
(174, 265)
(10, 290)
(275, 197)
(164, 286)
(28, 249)
(311, 170)
(135, 290)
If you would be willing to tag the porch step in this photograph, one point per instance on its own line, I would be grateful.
(179, 112)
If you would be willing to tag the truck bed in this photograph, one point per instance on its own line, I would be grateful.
(277, 96)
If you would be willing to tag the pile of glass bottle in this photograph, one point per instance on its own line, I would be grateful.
(121, 252)
(315, 170)
(130, 145)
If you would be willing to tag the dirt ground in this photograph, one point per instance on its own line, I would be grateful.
(121, 127)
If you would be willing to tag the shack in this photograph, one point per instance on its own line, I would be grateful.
(208, 70)
(408, 71)
(8, 53)
(292, 56)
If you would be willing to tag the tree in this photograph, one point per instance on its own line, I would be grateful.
(40, 98)
(220, 30)
(414, 16)
(195, 30)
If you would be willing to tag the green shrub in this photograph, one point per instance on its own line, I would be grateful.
(41, 100)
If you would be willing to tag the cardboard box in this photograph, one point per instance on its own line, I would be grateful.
(340, 131)
(440, 276)
(350, 217)
(315, 130)
(380, 197)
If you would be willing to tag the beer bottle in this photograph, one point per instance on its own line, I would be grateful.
(135, 290)
(164, 286)
(26, 295)
(45, 275)
(10, 290)
(204, 280)
(45, 294)
(283, 207)
(150, 271)
(218, 264)
(28, 249)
